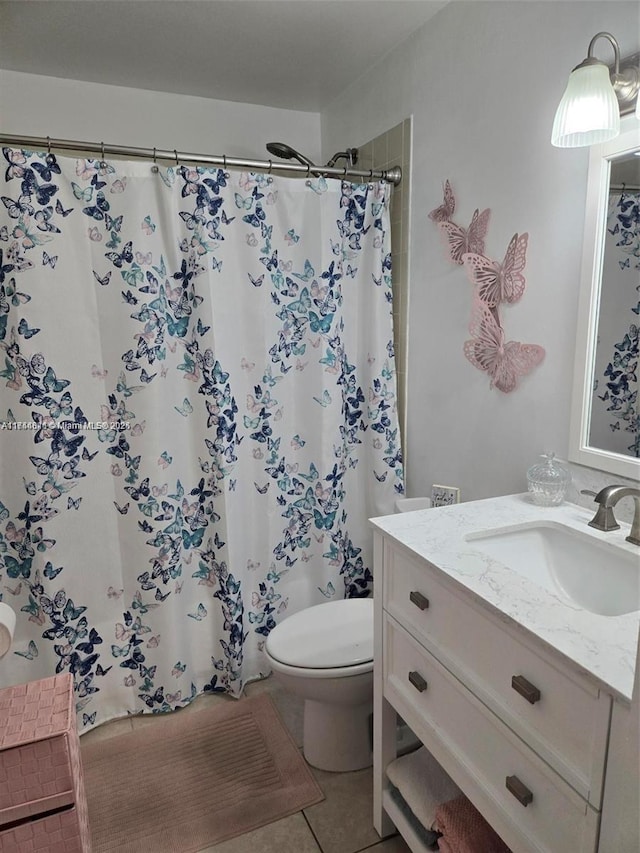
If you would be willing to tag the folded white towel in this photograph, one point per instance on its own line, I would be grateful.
(423, 784)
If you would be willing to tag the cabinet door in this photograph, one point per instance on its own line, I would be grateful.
(620, 830)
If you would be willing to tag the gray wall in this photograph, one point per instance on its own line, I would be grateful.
(482, 82)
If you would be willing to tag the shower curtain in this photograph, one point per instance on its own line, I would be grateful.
(197, 417)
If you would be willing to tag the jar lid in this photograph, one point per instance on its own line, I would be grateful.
(549, 472)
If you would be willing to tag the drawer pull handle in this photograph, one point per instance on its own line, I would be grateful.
(419, 600)
(525, 688)
(418, 681)
(522, 794)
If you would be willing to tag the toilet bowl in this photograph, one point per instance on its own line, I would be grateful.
(324, 654)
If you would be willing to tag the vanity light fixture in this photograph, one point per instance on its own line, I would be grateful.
(595, 97)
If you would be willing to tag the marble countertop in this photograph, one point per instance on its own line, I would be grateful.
(603, 647)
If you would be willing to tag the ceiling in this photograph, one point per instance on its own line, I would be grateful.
(293, 54)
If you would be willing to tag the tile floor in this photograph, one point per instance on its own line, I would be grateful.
(341, 823)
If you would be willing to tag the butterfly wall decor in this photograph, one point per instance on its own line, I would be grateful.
(499, 282)
(459, 241)
(504, 362)
(494, 283)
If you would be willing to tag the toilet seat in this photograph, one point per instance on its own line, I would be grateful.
(332, 639)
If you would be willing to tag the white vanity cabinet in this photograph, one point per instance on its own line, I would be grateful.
(522, 733)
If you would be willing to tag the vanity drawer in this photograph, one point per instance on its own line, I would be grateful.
(562, 716)
(480, 753)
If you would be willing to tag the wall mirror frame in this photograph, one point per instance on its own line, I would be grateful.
(580, 450)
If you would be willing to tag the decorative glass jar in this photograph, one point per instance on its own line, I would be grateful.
(548, 481)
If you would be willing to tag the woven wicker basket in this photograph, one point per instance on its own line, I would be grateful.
(40, 770)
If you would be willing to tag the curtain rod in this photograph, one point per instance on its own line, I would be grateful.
(46, 143)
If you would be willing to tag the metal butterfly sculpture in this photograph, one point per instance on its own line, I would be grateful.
(494, 282)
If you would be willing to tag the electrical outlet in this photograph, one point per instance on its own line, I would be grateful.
(444, 495)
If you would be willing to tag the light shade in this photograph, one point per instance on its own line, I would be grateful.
(588, 112)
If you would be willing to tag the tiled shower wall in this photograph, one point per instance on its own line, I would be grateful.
(393, 148)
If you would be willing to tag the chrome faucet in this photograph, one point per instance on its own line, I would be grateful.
(604, 518)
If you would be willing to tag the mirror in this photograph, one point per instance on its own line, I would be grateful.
(605, 414)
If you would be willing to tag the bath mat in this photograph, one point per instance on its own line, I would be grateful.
(193, 779)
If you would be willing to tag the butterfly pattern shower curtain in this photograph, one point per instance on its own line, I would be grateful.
(198, 415)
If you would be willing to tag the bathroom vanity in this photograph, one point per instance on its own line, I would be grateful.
(517, 678)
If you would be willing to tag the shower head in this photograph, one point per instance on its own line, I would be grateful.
(350, 155)
(286, 152)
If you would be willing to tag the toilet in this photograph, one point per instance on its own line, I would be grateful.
(324, 654)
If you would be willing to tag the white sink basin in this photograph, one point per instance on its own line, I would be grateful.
(597, 576)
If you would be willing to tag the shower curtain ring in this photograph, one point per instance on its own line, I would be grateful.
(102, 151)
(370, 174)
(175, 151)
(270, 165)
(154, 155)
(224, 161)
(48, 145)
(308, 170)
(344, 174)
